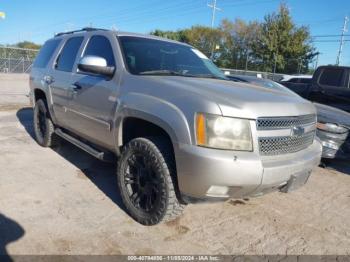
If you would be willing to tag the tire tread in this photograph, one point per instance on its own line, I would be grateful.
(159, 148)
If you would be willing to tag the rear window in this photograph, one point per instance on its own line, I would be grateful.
(332, 77)
(66, 59)
(45, 53)
(293, 80)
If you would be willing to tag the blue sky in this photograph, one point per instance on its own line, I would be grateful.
(38, 20)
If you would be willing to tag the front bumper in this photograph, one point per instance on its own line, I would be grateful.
(334, 145)
(211, 174)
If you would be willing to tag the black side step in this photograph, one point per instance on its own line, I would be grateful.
(104, 156)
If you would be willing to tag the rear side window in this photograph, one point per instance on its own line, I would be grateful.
(45, 53)
(332, 77)
(293, 80)
(305, 80)
(100, 46)
(65, 60)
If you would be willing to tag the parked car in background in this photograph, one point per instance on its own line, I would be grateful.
(333, 127)
(330, 86)
(332, 124)
(299, 82)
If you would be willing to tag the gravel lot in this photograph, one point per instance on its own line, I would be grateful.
(63, 201)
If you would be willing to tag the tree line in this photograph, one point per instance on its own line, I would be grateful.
(276, 44)
(22, 53)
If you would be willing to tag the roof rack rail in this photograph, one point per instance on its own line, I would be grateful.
(85, 29)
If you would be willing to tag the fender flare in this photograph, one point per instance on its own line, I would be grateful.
(154, 110)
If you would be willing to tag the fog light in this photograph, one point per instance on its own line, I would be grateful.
(218, 191)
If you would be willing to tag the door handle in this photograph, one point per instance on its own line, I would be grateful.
(76, 87)
(48, 79)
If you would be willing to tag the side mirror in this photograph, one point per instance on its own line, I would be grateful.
(95, 65)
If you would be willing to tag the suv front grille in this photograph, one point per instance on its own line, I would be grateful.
(285, 144)
(272, 123)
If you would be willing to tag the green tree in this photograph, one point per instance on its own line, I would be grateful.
(283, 45)
(239, 37)
(276, 43)
(203, 38)
(28, 45)
(174, 35)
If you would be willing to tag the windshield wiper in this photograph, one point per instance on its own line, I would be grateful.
(175, 73)
(209, 76)
(161, 72)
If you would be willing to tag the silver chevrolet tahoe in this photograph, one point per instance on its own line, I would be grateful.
(180, 131)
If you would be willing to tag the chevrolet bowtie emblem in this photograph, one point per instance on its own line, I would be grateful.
(298, 131)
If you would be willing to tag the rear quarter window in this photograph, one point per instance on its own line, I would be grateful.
(332, 77)
(46, 53)
(293, 80)
(305, 80)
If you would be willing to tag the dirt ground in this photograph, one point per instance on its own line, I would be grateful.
(63, 201)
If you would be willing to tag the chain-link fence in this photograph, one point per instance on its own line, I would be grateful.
(16, 60)
(271, 70)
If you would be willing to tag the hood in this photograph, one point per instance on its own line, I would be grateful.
(328, 114)
(238, 99)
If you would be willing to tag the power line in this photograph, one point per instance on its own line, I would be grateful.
(234, 4)
(149, 14)
(158, 18)
(112, 16)
(319, 22)
(314, 36)
(330, 41)
(166, 11)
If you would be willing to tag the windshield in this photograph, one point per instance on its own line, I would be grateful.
(144, 56)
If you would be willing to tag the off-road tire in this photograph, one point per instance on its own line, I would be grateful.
(45, 135)
(159, 158)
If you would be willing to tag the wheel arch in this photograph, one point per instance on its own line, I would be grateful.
(136, 127)
(39, 94)
(156, 111)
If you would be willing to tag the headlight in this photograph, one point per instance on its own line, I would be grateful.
(223, 132)
(333, 128)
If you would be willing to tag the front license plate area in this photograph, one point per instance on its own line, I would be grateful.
(296, 181)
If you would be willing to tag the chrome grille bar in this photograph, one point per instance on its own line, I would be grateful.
(272, 123)
(285, 144)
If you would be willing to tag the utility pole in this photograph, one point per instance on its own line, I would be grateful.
(214, 7)
(246, 62)
(274, 66)
(317, 57)
(342, 40)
